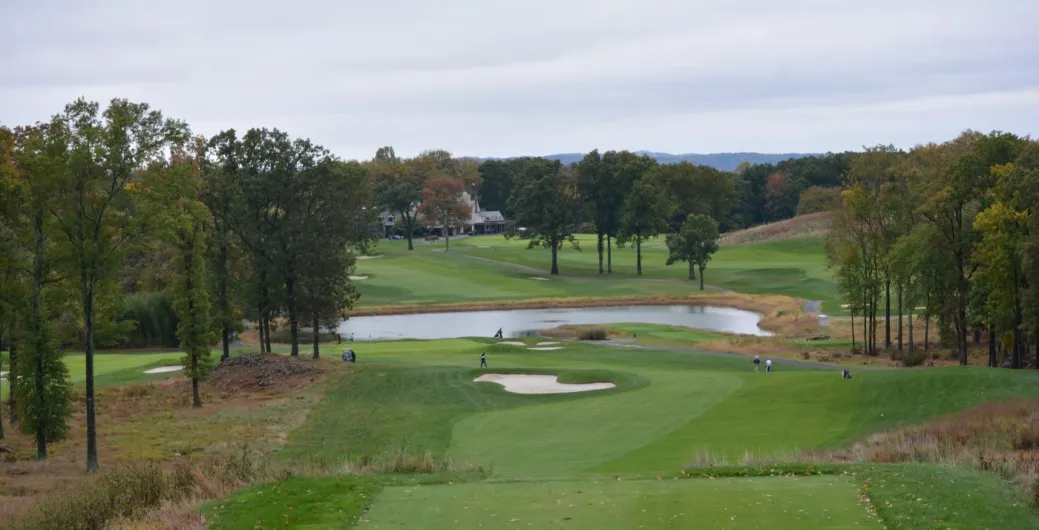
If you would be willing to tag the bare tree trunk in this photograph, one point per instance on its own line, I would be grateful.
(409, 227)
(638, 255)
(692, 274)
(992, 361)
(599, 247)
(887, 313)
(911, 345)
(316, 322)
(225, 303)
(609, 254)
(927, 332)
(555, 260)
(900, 317)
(701, 278)
(267, 331)
(853, 330)
(12, 413)
(88, 317)
(290, 297)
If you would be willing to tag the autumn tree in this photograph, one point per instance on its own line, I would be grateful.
(644, 216)
(336, 224)
(545, 203)
(105, 151)
(40, 379)
(171, 199)
(442, 206)
(696, 190)
(398, 189)
(694, 244)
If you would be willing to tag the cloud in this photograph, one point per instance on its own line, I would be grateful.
(535, 76)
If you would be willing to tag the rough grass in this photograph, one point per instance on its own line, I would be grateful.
(810, 225)
(490, 269)
(998, 437)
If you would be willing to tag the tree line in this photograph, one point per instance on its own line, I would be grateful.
(951, 228)
(102, 207)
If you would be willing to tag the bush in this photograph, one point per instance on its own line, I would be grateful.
(124, 493)
(914, 359)
(592, 334)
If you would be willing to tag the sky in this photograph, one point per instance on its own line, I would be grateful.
(536, 77)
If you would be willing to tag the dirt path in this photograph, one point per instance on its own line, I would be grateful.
(535, 270)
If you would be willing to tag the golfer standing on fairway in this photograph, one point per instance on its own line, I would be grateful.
(483, 360)
(757, 363)
(768, 365)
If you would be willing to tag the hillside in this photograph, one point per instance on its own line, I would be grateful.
(721, 161)
(814, 224)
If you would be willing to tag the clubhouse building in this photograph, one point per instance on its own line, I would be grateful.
(480, 221)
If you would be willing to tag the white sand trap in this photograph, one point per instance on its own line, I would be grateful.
(547, 343)
(539, 278)
(3, 375)
(369, 257)
(164, 369)
(548, 348)
(356, 278)
(512, 343)
(538, 384)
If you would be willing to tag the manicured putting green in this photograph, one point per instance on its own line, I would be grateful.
(778, 503)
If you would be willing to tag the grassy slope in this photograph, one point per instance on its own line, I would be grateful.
(427, 275)
(669, 408)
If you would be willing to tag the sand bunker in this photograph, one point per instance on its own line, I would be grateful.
(538, 384)
(356, 278)
(539, 278)
(164, 369)
(549, 348)
(369, 257)
(512, 343)
(547, 343)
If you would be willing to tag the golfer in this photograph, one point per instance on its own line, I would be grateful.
(768, 365)
(757, 363)
(483, 360)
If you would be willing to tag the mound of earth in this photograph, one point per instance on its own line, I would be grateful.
(267, 373)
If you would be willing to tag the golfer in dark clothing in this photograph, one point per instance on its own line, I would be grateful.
(757, 363)
(483, 360)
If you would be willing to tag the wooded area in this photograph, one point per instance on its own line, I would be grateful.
(120, 227)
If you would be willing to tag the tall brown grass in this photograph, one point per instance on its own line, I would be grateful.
(149, 496)
(1000, 438)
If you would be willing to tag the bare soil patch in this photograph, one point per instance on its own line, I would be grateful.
(263, 373)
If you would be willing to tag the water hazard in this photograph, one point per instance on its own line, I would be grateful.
(527, 322)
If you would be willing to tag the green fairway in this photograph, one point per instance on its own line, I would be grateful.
(493, 268)
(779, 503)
(669, 411)
(115, 368)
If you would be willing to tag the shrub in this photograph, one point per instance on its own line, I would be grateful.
(123, 493)
(805, 355)
(914, 359)
(592, 334)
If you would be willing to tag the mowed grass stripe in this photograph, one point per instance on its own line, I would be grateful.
(560, 439)
(775, 503)
(427, 275)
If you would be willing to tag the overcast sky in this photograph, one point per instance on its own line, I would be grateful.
(516, 77)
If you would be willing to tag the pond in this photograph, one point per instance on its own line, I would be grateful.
(527, 322)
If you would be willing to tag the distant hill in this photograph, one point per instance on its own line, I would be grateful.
(722, 161)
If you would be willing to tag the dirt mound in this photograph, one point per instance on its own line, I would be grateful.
(266, 373)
